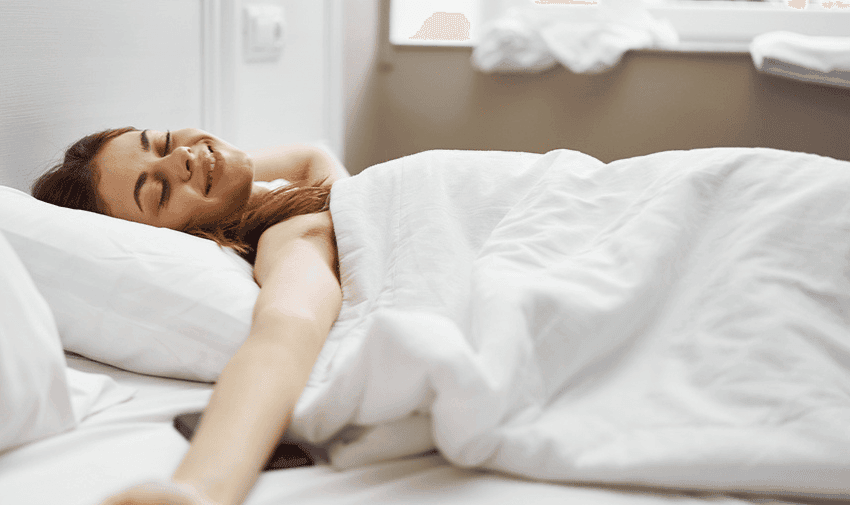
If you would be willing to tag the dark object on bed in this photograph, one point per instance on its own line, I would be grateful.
(286, 455)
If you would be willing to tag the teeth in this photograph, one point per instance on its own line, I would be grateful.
(209, 174)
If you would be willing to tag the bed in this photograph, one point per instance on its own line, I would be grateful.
(690, 346)
(135, 441)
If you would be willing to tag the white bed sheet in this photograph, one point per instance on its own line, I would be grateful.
(135, 441)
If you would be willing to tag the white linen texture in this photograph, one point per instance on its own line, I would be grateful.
(678, 319)
(145, 299)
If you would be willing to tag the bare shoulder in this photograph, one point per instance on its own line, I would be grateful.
(313, 229)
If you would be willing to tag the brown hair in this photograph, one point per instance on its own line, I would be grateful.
(73, 184)
(242, 232)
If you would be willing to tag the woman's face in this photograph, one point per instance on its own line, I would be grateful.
(173, 179)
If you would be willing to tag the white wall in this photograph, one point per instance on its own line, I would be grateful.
(289, 100)
(70, 68)
(363, 32)
(362, 19)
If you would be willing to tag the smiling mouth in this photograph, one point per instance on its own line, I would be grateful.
(209, 173)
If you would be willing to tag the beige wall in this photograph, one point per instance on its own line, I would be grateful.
(419, 98)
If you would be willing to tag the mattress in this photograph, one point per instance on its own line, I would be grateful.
(135, 441)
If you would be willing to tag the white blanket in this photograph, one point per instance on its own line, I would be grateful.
(679, 319)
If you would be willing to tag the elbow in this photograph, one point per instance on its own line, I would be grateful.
(314, 316)
(322, 167)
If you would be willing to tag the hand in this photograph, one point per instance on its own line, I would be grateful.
(159, 493)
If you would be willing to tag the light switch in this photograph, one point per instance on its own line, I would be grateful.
(263, 33)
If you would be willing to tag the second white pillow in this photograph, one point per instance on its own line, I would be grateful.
(35, 400)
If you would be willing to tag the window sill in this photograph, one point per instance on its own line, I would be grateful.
(732, 27)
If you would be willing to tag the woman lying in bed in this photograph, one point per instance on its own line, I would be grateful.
(675, 320)
(192, 181)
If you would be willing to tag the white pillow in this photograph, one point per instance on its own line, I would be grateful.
(141, 298)
(35, 401)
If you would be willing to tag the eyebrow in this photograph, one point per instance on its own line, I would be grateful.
(146, 145)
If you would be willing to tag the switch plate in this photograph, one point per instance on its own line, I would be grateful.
(263, 32)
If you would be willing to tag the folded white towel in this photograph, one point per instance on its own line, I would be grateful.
(596, 47)
(824, 54)
(824, 60)
(533, 39)
(512, 44)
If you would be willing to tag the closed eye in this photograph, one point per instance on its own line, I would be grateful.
(166, 189)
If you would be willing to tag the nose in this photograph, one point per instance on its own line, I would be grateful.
(179, 164)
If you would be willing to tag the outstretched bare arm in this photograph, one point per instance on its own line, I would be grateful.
(256, 393)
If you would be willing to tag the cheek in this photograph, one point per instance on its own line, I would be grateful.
(238, 181)
(184, 214)
(239, 197)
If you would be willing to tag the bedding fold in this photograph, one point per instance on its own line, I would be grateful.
(676, 320)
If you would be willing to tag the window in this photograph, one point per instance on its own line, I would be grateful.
(702, 25)
(435, 22)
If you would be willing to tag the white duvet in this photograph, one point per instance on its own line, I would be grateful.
(679, 319)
